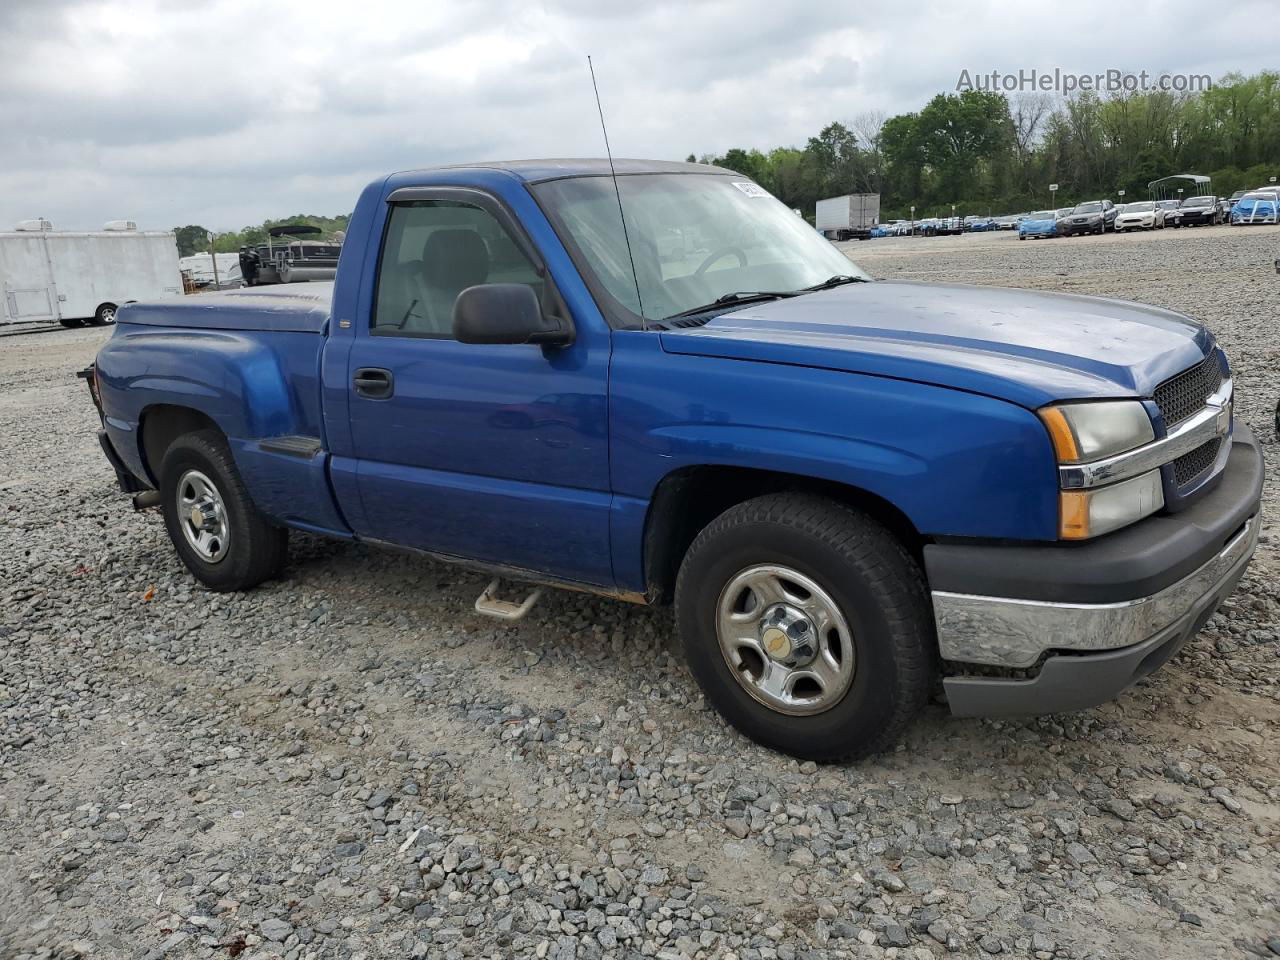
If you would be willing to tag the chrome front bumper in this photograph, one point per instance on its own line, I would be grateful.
(1004, 632)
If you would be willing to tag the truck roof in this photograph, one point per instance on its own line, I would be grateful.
(536, 171)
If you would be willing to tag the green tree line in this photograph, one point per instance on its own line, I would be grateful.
(195, 239)
(988, 153)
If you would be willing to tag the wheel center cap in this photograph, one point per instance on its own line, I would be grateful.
(776, 643)
(197, 518)
(787, 636)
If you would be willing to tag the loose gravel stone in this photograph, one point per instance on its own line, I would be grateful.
(349, 763)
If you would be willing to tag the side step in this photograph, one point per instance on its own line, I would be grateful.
(489, 604)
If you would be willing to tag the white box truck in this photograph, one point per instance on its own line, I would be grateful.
(72, 278)
(849, 217)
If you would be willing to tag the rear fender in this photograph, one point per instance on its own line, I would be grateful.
(251, 385)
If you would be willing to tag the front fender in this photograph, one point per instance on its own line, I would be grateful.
(956, 464)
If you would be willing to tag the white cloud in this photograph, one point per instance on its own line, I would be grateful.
(229, 111)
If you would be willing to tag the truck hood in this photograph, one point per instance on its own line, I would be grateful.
(1027, 347)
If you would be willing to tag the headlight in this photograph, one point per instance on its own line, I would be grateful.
(1082, 432)
(1087, 432)
(1091, 513)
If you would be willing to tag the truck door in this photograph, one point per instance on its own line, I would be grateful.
(491, 452)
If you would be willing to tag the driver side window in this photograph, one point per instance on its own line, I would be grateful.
(435, 249)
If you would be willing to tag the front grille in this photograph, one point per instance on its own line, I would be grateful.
(1184, 395)
(1191, 466)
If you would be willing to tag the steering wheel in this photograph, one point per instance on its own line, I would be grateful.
(718, 255)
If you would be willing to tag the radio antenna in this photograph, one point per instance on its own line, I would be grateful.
(635, 277)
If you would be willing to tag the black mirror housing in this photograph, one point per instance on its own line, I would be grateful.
(506, 313)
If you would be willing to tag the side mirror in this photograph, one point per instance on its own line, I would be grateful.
(506, 313)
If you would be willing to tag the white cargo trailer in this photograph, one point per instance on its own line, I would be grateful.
(847, 217)
(49, 276)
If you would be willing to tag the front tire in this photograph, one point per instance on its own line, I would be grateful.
(214, 526)
(807, 625)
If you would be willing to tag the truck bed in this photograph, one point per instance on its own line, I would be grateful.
(293, 308)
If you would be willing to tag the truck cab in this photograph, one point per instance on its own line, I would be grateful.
(654, 382)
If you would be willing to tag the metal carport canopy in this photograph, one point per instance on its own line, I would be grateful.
(1160, 186)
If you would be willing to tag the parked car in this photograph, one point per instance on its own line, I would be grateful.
(1140, 215)
(1260, 206)
(1092, 216)
(1120, 208)
(842, 485)
(1235, 197)
(1043, 223)
(1198, 211)
(1170, 208)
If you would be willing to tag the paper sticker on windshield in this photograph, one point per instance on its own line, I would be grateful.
(751, 189)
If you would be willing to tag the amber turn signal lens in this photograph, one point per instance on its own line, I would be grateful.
(1064, 440)
(1074, 513)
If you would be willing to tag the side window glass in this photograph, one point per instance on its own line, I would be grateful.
(434, 250)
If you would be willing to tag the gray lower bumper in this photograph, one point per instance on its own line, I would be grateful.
(1108, 658)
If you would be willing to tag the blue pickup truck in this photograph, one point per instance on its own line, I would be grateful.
(664, 387)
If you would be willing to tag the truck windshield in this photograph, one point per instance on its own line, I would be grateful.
(694, 238)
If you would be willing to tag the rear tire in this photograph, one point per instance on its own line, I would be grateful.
(866, 599)
(214, 526)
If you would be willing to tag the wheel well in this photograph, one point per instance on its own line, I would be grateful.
(689, 499)
(163, 424)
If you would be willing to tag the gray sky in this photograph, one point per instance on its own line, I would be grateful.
(181, 111)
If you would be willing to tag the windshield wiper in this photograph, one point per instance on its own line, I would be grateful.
(753, 296)
(740, 296)
(840, 279)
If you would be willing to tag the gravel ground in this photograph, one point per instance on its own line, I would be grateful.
(350, 763)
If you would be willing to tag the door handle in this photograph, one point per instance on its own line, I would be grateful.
(374, 383)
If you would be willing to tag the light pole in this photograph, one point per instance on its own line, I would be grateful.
(214, 257)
